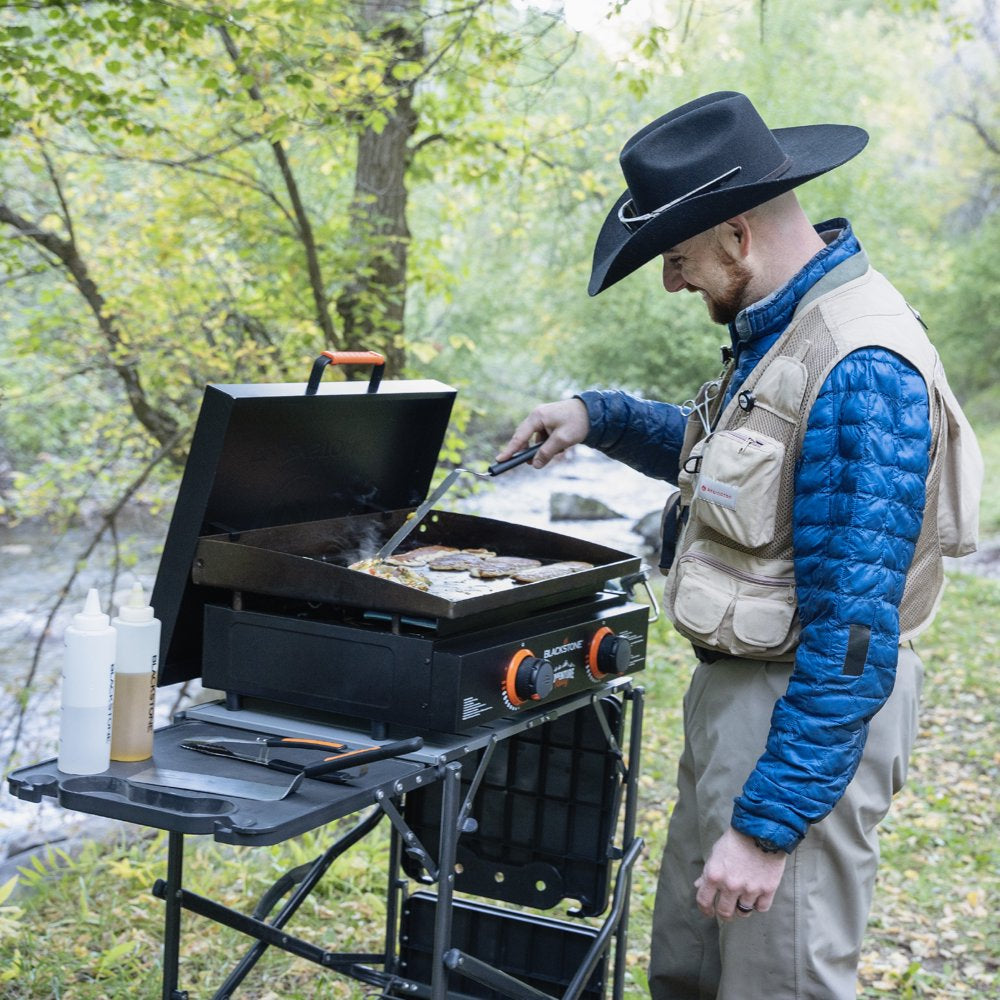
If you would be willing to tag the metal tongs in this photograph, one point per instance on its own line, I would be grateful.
(410, 524)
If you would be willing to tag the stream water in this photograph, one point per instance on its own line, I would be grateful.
(34, 567)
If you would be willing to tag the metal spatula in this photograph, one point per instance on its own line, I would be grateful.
(194, 781)
(410, 524)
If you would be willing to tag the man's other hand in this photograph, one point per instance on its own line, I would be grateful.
(738, 871)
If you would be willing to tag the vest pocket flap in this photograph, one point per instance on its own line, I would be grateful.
(782, 387)
(734, 602)
(762, 623)
(701, 603)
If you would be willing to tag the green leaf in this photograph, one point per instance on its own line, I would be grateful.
(7, 889)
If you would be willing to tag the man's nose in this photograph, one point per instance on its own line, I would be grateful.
(672, 280)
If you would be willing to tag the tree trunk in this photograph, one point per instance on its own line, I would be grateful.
(371, 306)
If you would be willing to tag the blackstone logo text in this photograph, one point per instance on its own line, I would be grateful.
(568, 647)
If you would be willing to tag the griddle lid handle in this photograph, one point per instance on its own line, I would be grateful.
(347, 358)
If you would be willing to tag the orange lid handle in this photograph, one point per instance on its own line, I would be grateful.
(354, 357)
(346, 358)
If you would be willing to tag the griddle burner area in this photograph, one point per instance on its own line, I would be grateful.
(283, 491)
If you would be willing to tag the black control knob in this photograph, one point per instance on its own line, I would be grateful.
(535, 678)
(608, 654)
(528, 678)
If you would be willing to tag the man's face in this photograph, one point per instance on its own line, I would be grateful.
(700, 264)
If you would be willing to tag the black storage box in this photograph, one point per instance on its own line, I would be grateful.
(541, 952)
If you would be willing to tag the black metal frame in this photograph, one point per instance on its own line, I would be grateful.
(270, 931)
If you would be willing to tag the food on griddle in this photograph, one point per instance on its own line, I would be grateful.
(500, 566)
(455, 562)
(550, 571)
(398, 574)
(420, 556)
(481, 564)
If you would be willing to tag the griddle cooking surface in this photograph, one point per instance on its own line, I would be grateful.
(311, 562)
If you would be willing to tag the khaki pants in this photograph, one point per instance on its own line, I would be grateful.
(807, 946)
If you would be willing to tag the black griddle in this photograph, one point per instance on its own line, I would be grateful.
(286, 485)
(311, 562)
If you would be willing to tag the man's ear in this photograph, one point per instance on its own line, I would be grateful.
(735, 237)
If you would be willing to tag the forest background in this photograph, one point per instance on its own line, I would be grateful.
(195, 192)
(201, 191)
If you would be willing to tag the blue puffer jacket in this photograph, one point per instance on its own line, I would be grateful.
(859, 499)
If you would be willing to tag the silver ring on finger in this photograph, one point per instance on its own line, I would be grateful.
(743, 908)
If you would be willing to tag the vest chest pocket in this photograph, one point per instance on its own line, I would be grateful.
(736, 490)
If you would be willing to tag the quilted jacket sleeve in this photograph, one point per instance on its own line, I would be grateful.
(642, 433)
(858, 509)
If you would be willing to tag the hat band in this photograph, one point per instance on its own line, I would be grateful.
(778, 170)
(634, 222)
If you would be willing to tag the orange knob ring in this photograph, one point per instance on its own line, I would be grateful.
(510, 677)
(593, 649)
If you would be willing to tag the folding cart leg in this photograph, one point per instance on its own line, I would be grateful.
(638, 700)
(451, 802)
(302, 880)
(172, 918)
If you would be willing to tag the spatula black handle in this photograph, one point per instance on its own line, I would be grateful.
(519, 459)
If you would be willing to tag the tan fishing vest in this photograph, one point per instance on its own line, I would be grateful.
(731, 587)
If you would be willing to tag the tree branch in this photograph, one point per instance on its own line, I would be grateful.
(57, 185)
(160, 425)
(191, 164)
(303, 225)
(992, 144)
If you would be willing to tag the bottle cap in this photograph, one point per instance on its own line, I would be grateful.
(91, 619)
(135, 608)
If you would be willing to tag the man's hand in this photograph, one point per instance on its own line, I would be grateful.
(737, 870)
(558, 425)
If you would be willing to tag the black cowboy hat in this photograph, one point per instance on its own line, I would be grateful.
(701, 164)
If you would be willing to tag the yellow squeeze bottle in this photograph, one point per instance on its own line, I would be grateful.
(138, 650)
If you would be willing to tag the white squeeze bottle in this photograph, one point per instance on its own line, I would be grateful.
(88, 685)
(135, 678)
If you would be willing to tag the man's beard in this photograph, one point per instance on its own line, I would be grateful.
(726, 306)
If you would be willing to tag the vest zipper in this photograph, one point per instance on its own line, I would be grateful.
(746, 439)
(758, 578)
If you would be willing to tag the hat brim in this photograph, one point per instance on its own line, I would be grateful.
(811, 149)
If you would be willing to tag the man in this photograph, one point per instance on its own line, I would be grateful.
(807, 546)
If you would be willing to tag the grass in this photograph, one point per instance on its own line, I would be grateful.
(89, 929)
